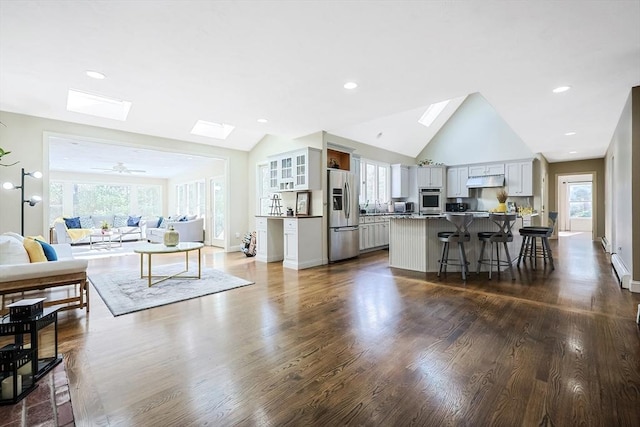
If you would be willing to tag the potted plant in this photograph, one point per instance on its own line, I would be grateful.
(502, 196)
(104, 226)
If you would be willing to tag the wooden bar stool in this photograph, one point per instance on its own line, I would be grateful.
(460, 236)
(503, 235)
(530, 249)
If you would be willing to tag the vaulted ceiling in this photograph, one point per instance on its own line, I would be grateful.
(284, 61)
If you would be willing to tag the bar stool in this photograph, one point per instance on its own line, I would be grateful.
(503, 235)
(529, 248)
(460, 236)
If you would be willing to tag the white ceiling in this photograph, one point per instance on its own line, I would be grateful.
(236, 62)
(78, 155)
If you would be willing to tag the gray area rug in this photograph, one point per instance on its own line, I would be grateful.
(125, 292)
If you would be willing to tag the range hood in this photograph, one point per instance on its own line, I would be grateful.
(485, 181)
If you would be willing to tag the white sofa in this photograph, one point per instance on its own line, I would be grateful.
(18, 275)
(190, 230)
(61, 234)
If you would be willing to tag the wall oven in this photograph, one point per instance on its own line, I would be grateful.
(431, 201)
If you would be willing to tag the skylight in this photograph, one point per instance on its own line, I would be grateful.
(97, 105)
(212, 130)
(432, 113)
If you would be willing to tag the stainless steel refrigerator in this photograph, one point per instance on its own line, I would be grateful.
(344, 215)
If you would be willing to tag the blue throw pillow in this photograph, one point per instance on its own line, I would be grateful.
(160, 219)
(133, 221)
(48, 250)
(72, 222)
(183, 218)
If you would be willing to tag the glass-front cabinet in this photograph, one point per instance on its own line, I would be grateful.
(295, 170)
(273, 175)
(301, 171)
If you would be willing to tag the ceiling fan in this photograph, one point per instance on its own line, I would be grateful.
(120, 168)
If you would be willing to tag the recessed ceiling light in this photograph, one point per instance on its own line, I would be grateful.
(561, 89)
(97, 105)
(570, 133)
(432, 113)
(212, 130)
(262, 120)
(95, 74)
(350, 85)
(572, 152)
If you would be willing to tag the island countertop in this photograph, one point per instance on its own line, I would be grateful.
(414, 244)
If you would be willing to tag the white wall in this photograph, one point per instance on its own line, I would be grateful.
(476, 133)
(24, 137)
(618, 161)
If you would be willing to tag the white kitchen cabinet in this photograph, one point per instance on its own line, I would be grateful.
(302, 242)
(363, 230)
(273, 175)
(457, 182)
(431, 176)
(374, 232)
(487, 169)
(355, 168)
(399, 181)
(269, 247)
(296, 170)
(519, 178)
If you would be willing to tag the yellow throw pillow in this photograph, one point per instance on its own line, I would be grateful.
(34, 249)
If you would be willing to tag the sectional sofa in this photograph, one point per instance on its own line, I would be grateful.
(191, 229)
(65, 230)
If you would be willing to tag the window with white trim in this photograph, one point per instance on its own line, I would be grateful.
(374, 182)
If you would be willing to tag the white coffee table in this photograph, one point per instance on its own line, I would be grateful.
(105, 240)
(158, 248)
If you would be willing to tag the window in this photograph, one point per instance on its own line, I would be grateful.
(68, 198)
(191, 198)
(580, 199)
(101, 199)
(374, 182)
(149, 200)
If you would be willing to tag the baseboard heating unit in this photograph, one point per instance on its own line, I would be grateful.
(605, 245)
(623, 274)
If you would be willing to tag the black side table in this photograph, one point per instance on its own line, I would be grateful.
(28, 350)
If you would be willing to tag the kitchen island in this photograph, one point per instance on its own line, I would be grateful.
(414, 244)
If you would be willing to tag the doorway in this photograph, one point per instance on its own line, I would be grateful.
(575, 204)
(218, 206)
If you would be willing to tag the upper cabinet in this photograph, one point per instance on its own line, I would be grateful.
(295, 170)
(519, 178)
(488, 169)
(399, 181)
(431, 176)
(457, 181)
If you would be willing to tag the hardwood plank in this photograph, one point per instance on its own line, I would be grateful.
(361, 343)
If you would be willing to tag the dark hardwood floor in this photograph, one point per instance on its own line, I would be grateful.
(359, 343)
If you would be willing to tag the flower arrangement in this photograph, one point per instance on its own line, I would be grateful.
(104, 225)
(427, 162)
(502, 195)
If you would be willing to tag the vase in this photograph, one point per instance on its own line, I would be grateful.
(171, 237)
(502, 207)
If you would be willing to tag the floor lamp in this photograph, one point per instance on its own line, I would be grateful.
(32, 201)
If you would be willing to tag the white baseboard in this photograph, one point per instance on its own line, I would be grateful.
(634, 286)
(621, 270)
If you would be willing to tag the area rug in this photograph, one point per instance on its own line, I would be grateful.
(125, 292)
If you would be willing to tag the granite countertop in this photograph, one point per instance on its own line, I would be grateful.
(285, 216)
